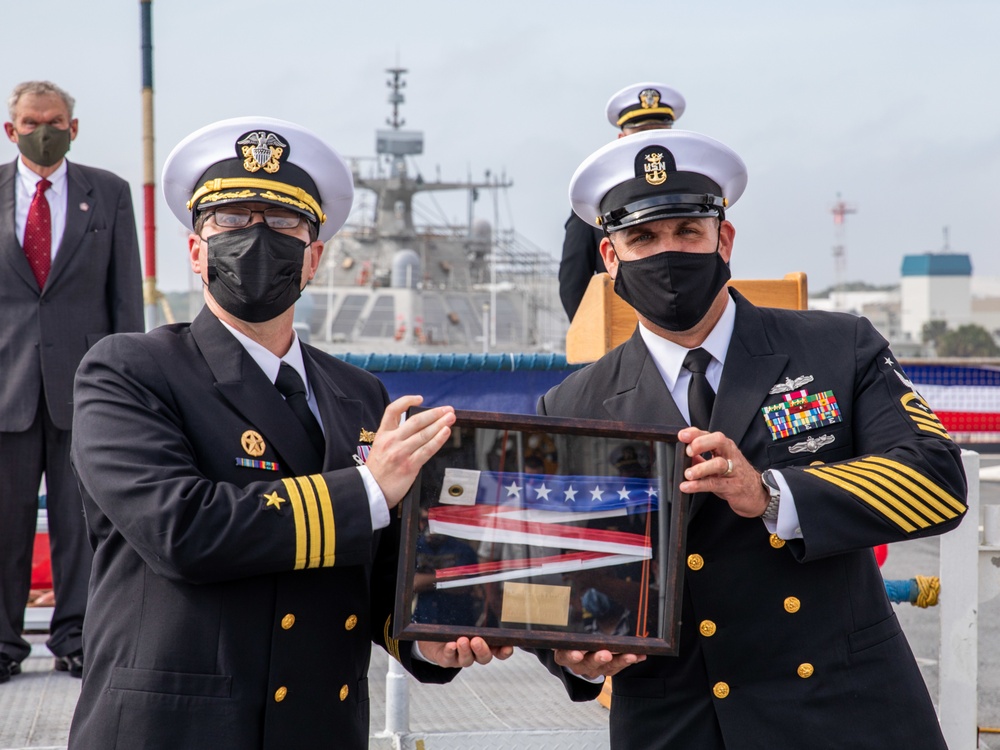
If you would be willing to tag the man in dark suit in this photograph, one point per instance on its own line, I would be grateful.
(69, 274)
(239, 483)
(634, 109)
(808, 446)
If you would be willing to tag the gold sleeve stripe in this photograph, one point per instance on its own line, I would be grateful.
(919, 487)
(315, 528)
(391, 644)
(300, 522)
(933, 429)
(850, 473)
(926, 420)
(929, 425)
(329, 528)
(915, 408)
(908, 493)
(825, 475)
(952, 502)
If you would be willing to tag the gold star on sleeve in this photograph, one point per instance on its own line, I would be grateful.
(274, 500)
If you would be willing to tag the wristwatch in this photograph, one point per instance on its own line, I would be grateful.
(771, 485)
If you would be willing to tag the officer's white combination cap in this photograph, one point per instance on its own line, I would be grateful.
(644, 101)
(657, 174)
(259, 160)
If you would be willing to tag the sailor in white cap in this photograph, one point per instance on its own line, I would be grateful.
(239, 484)
(642, 106)
(807, 447)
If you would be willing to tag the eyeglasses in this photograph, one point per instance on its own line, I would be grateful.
(234, 217)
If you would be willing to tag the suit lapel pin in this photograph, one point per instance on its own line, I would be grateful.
(84, 207)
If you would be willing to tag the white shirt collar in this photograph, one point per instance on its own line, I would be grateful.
(669, 357)
(29, 180)
(268, 361)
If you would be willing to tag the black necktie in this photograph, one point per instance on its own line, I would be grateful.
(294, 390)
(701, 397)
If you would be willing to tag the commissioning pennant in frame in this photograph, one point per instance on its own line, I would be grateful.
(539, 510)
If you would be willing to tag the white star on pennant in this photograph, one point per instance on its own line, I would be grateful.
(570, 495)
(623, 493)
(595, 494)
(543, 492)
(513, 490)
(651, 491)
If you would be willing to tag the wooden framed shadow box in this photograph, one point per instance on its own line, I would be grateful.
(546, 533)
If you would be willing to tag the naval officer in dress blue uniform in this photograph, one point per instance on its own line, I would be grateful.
(238, 484)
(809, 445)
(641, 106)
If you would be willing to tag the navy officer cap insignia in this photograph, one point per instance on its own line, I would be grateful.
(261, 150)
(642, 102)
(259, 160)
(657, 174)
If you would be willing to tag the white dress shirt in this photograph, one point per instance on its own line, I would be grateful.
(56, 195)
(669, 360)
(270, 364)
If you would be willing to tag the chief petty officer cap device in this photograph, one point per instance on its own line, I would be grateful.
(259, 160)
(645, 101)
(657, 174)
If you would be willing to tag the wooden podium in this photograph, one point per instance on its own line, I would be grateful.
(604, 320)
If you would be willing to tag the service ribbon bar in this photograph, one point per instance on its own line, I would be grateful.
(799, 412)
(252, 463)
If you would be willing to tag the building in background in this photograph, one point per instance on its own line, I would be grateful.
(933, 287)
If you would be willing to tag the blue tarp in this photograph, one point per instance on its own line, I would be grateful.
(511, 392)
(510, 383)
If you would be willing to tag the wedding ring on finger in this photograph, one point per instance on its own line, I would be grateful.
(729, 467)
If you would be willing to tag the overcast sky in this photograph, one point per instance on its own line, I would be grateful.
(893, 105)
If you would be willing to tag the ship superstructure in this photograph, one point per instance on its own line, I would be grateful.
(393, 283)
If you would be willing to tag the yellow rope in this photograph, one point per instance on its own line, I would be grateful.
(929, 588)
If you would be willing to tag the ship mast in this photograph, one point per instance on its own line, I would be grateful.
(394, 194)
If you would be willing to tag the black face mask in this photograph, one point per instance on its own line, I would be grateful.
(254, 273)
(45, 145)
(672, 289)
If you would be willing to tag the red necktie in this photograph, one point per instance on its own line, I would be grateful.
(38, 234)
